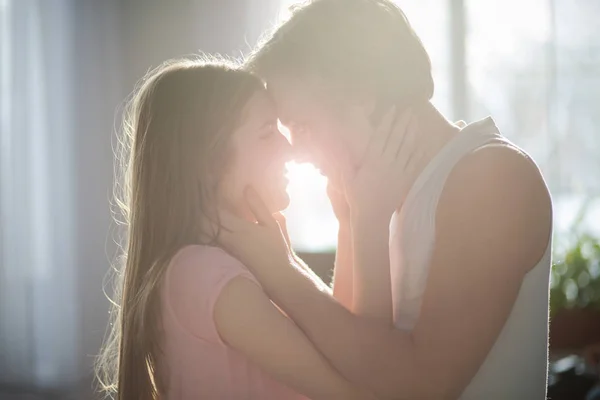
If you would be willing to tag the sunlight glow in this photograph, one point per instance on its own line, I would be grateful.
(284, 131)
(312, 226)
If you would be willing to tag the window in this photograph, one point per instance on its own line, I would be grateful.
(535, 67)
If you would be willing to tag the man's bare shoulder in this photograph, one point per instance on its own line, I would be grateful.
(496, 197)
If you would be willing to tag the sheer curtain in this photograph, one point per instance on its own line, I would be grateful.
(38, 311)
(535, 66)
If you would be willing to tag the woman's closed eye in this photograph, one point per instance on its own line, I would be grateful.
(299, 131)
(269, 131)
(299, 128)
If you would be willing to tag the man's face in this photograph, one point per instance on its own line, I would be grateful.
(325, 131)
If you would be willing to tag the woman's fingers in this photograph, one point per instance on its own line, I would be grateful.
(398, 136)
(384, 130)
(409, 147)
(379, 135)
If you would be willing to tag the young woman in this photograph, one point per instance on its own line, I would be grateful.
(190, 321)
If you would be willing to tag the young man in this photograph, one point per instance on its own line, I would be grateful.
(442, 271)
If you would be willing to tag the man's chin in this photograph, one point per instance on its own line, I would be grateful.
(323, 170)
(334, 179)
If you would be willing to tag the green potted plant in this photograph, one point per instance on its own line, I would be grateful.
(575, 293)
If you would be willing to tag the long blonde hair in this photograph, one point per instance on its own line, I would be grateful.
(172, 152)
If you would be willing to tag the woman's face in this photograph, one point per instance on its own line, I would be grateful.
(258, 158)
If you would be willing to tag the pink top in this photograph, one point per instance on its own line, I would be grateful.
(197, 364)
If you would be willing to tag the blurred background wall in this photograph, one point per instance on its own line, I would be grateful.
(67, 66)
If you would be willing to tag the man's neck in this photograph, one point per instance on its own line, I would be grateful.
(433, 129)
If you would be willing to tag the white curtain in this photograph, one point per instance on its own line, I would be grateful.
(38, 309)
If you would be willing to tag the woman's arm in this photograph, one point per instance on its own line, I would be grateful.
(311, 274)
(248, 322)
(281, 220)
(372, 281)
(343, 270)
(374, 191)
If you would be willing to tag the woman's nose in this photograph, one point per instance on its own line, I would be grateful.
(300, 154)
(300, 149)
(285, 149)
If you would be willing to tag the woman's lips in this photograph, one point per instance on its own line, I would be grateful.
(283, 178)
(324, 169)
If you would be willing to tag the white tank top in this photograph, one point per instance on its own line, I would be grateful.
(516, 366)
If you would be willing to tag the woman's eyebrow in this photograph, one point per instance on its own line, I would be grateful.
(285, 121)
(268, 123)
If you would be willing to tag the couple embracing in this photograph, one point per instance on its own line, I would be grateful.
(441, 275)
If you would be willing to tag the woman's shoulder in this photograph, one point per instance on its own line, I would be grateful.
(201, 252)
(203, 263)
(193, 282)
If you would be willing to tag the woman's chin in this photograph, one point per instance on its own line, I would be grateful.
(278, 202)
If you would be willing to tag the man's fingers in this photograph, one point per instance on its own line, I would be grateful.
(229, 232)
(231, 223)
(259, 208)
(280, 218)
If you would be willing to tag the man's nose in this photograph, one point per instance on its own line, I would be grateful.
(301, 148)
